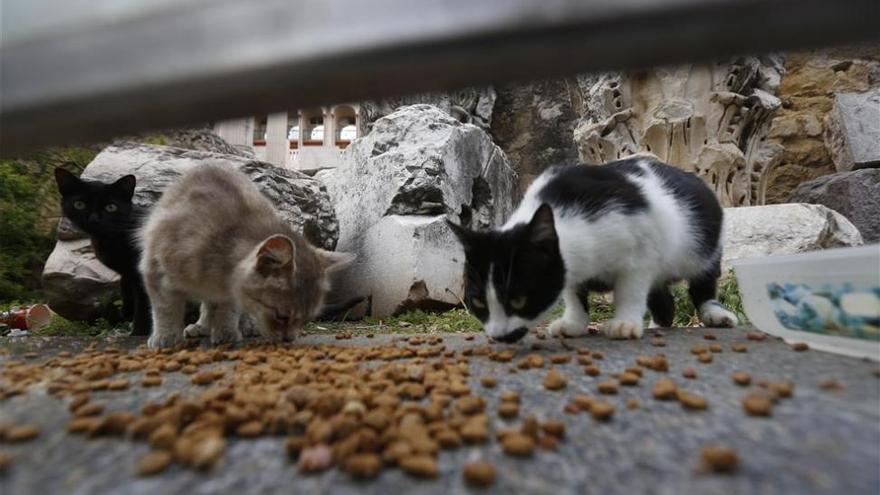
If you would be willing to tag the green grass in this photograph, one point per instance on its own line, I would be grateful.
(59, 326)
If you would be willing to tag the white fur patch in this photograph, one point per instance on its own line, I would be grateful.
(500, 323)
(622, 329)
(713, 314)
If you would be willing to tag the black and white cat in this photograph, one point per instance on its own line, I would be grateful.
(633, 226)
(106, 213)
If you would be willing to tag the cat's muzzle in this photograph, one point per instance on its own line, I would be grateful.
(513, 336)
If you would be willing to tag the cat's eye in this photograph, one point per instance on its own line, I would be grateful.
(79, 205)
(518, 302)
(111, 208)
(477, 303)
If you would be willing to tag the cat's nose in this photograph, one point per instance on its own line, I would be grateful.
(513, 336)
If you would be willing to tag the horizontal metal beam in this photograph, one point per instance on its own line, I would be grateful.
(192, 61)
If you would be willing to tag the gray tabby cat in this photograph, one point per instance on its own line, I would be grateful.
(215, 238)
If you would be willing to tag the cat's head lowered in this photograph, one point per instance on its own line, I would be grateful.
(96, 207)
(513, 277)
(283, 284)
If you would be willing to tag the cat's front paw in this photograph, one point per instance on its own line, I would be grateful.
(713, 314)
(162, 340)
(196, 331)
(225, 336)
(623, 329)
(567, 328)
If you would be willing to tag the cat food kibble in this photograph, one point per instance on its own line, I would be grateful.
(518, 444)
(800, 346)
(757, 404)
(783, 389)
(363, 466)
(554, 380)
(508, 410)
(632, 403)
(689, 373)
(479, 474)
(719, 459)
(601, 411)
(691, 400)
(739, 348)
(5, 461)
(554, 427)
(716, 348)
(22, 433)
(421, 466)
(705, 357)
(741, 378)
(756, 335)
(664, 389)
(489, 381)
(608, 387)
(592, 370)
(629, 379)
(153, 462)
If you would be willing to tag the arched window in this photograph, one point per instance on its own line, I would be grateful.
(312, 133)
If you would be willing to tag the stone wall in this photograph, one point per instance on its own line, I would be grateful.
(807, 93)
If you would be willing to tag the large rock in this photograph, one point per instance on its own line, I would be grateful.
(855, 195)
(852, 130)
(467, 105)
(757, 231)
(78, 286)
(391, 193)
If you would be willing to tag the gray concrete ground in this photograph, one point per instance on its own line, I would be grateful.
(818, 441)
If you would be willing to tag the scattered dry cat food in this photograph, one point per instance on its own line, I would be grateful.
(584, 359)
(709, 336)
(582, 401)
(21, 433)
(689, 373)
(601, 411)
(691, 400)
(598, 355)
(632, 403)
(756, 335)
(363, 466)
(741, 378)
(5, 461)
(479, 474)
(757, 404)
(153, 462)
(151, 381)
(664, 389)
(705, 357)
(658, 342)
(719, 459)
(554, 427)
(554, 380)
(89, 409)
(830, 384)
(560, 358)
(784, 389)
(739, 348)
(592, 370)
(699, 349)
(422, 466)
(629, 379)
(608, 387)
(116, 385)
(800, 346)
(508, 410)
(518, 444)
(489, 381)
(314, 459)
(715, 348)
(509, 396)
(203, 378)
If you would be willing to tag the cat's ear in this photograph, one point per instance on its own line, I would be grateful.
(335, 260)
(542, 228)
(275, 252)
(67, 182)
(464, 235)
(125, 186)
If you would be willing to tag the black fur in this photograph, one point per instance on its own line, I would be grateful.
(527, 264)
(107, 214)
(593, 190)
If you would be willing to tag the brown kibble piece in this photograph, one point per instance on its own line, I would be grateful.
(629, 379)
(741, 378)
(699, 349)
(153, 462)
(739, 348)
(479, 474)
(689, 373)
(22, 433)
(592, 370)
(783, 389)
(709, 336)
(601, 411)
(422, 466)
(691, 400)
(554, 427)
(632, 403)
(756, 335)
(719, 459)
(363, 466)
(800, 346)
(510, 396)
(597, 355)
(82, 425)
(121, 384)
(554, 380)
(831, 384)
(560, 358)
(90, 409)
(705, 357)
(151, 381)
(658, 342)
(203, 378)
(664, 389)
(508, 410)
(489, 381)
(518, 444)
(250, 429)
(5, 461)
(470, 404)
(164, 437)
(716, 348)
(608, 387)
(757, 404)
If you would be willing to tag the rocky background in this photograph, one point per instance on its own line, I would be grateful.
(790, 144)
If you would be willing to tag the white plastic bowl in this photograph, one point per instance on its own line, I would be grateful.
(829, 299)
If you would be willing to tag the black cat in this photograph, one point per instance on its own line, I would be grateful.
(107, 214)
